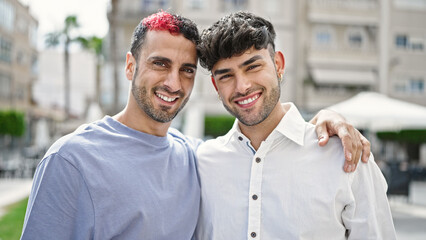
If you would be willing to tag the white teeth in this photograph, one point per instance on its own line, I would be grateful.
(249, 100)
(165, 98)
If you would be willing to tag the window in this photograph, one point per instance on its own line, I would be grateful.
(5, 50)
(416, 85)
(410, 85)
(5, 83)
(34, 64)
(234, 5)
(415, 44)
(323, 37)
(7, 15)
(355, 40)
(196, 4)
(356, 37)
(155, 5)
(401, 41)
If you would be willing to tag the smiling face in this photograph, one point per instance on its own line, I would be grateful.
(248, 84)
(163, 76)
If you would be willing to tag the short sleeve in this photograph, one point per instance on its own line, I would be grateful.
(60, 206)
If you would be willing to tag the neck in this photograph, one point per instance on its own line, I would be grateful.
(259, 132)
(137, 119)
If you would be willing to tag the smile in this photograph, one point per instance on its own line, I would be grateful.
(248, 100)
(165, 98)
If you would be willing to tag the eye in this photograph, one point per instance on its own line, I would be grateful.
(160, 64)
(188, 70)
(252, 67)
(226, 76)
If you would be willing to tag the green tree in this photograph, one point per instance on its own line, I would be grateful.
(64, 37)
(94, 44)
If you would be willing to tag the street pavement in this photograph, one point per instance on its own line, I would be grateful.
(409, 214)
(13, 190)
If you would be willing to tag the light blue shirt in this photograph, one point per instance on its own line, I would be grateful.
(108, 181)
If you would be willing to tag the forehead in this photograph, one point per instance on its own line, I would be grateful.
(165, 44)
(239, 59)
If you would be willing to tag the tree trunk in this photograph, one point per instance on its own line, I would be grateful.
(113, 49)
(67, 95)
(98, 83)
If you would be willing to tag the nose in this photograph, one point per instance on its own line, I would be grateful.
(242, 84)
(172, 81)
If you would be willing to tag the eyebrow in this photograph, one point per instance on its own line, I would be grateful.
(248, 62)
(168, 60)
(190, 65)
(164, 59)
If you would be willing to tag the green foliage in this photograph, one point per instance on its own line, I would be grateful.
(218, 125)
(12, 123)
(409, 135)
(55, 38)
(11, 223)
(92, 43)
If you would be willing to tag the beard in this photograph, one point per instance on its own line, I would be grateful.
(163, 114)
(249, 117)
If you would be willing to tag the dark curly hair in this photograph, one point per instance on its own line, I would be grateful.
(163, 21)
(233, 35)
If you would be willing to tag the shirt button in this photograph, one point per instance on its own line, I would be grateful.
(254, 197)
(240, 138)
(253, 234)
(258, 160)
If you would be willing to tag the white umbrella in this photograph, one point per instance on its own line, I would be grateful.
(377, 112)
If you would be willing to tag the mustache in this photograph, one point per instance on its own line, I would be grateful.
(167, 90)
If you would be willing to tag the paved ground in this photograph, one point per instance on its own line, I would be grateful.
(13, 190)
(409, 214)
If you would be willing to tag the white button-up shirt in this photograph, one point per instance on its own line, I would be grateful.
(290, 188)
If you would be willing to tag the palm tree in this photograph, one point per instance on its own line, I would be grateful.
(94, 44)
(53, 39)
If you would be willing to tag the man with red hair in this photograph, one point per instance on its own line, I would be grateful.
(130, 176)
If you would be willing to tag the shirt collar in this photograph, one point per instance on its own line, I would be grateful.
(292, 126)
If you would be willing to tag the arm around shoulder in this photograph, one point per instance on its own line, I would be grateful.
(60, 206)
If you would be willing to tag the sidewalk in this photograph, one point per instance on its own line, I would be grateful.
(409, 214)
(13, 190)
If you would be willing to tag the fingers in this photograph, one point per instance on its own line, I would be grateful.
(358, 144)
(348, 149)
(365, 149)
(322, 133)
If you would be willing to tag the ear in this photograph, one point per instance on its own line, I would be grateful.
(214, 83)
(279, 62)
(130, 66)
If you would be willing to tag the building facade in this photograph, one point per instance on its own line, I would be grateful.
(334, 49)
(349, 46)
(18, 55)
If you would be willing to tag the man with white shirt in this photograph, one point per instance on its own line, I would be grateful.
(267, 178)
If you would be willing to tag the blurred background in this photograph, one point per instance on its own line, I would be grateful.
(62, 65)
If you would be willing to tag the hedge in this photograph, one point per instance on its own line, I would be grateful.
(217, 125)
(12, 123)
(410, 136)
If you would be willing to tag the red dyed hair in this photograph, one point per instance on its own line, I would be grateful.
(162, 21)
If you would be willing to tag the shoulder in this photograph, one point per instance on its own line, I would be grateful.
(189, 141)
(214, 147)
(331, 154)
(78, 141)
